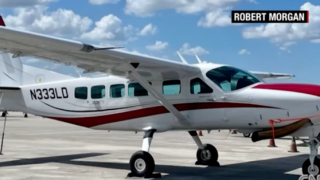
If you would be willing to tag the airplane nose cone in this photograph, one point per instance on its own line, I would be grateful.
(310, 89)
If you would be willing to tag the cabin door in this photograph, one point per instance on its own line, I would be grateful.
(207, 113)
(97, 99)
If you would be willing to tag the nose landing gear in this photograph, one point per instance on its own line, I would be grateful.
(311, 166)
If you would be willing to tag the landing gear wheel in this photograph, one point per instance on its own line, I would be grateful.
(142, 164)
(3, 114)
(26, 115)
(307, 169)
(207, 156)
(246, 134)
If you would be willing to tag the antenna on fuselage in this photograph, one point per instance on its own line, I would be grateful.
(198, 59)
(182, 59)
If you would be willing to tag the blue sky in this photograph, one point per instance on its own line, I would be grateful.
(275, 49)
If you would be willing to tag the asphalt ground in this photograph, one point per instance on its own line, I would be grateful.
(37, 148)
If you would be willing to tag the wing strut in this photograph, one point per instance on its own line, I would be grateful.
(183, 120)
(182, 59)
(198, 59)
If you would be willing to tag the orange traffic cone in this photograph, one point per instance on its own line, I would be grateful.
(293, 146)
(272, 143)
(233, 131)
(200, 133)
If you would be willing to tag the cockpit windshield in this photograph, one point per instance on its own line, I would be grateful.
(231, 79)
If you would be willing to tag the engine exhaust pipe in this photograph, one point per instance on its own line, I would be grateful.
(278, 132)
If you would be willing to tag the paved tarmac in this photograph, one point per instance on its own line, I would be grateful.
(36, 148)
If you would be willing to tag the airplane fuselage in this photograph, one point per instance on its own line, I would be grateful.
(114, 103)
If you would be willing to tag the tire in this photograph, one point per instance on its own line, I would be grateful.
(204, 157)
(142, 164)
(246, 134)
(306, 167)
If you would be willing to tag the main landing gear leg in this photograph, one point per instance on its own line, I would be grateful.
(311, 166)
(142, 163)
(206, 154)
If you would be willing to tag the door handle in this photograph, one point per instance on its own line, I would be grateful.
(95, 102)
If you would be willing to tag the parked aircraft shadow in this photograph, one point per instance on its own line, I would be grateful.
(260, 170)
(59, 159)
(284, 138)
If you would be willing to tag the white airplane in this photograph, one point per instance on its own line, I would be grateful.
(149, 94)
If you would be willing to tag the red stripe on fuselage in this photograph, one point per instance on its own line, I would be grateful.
(300, 88)
(151, 111)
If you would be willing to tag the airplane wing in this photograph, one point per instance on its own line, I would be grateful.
(98, 59)
(91, 58)
(271, 75)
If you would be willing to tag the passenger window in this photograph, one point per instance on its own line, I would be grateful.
(98, 92)
(81, 92)
(135, 89)
(171, 87)
(197, 86)
(117, 90)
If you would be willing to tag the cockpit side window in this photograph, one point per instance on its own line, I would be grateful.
(225, 85)
(231, 79)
